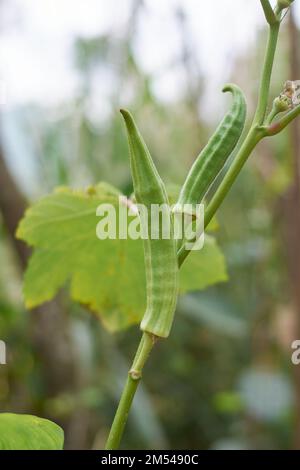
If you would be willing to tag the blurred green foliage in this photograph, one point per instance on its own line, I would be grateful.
(229, 341)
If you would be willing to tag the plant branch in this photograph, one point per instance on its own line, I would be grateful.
(134, 376)
(282, 123)
(266, 75)
(271, 117)
(255, 134)
(268, 11)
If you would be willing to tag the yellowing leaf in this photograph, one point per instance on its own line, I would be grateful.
(107, 276)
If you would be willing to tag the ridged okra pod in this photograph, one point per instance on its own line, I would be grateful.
(213, 157)
(160, 253)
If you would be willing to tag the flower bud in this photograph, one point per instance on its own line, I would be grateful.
(282, 103)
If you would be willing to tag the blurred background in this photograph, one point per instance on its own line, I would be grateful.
(224, 379)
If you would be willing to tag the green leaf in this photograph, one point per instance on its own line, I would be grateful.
(107, 276)
(203, 268)
(26, 432)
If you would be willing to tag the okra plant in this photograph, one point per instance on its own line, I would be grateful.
(160, 254)
(165, 256)
(148, 189)
(214, 156)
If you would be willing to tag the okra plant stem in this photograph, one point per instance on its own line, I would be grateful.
(282, 123)
(253, 137)
(268, 11)
(258, 130)
(255, 134)
(267, 74)
(133, 379)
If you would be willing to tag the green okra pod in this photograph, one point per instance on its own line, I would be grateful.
(213, 157)
(160, 253)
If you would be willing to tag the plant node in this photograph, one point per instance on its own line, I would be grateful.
(135, 374)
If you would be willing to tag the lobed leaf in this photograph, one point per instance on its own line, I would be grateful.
(107, 276)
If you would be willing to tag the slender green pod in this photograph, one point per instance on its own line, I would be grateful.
(159, 242)
(213, 157)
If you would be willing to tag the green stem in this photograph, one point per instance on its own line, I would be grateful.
(281, 124)
(268, 11)
(267, 73)
(255, 134)
(271, 116)
(132, 382)
(253, 137)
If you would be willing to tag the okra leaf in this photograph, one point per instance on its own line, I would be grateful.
(203, 268)
(106, 276)
(26, 432)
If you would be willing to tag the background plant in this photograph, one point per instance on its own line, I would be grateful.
(224, 310)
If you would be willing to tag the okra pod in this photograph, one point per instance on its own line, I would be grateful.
(213, 157)
(160, 253)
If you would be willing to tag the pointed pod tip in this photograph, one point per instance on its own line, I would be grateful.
(229, 87)
(126, 115)
(236, 91)
(129, 122)
(125, 112)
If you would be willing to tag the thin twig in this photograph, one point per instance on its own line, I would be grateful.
(269, 12)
